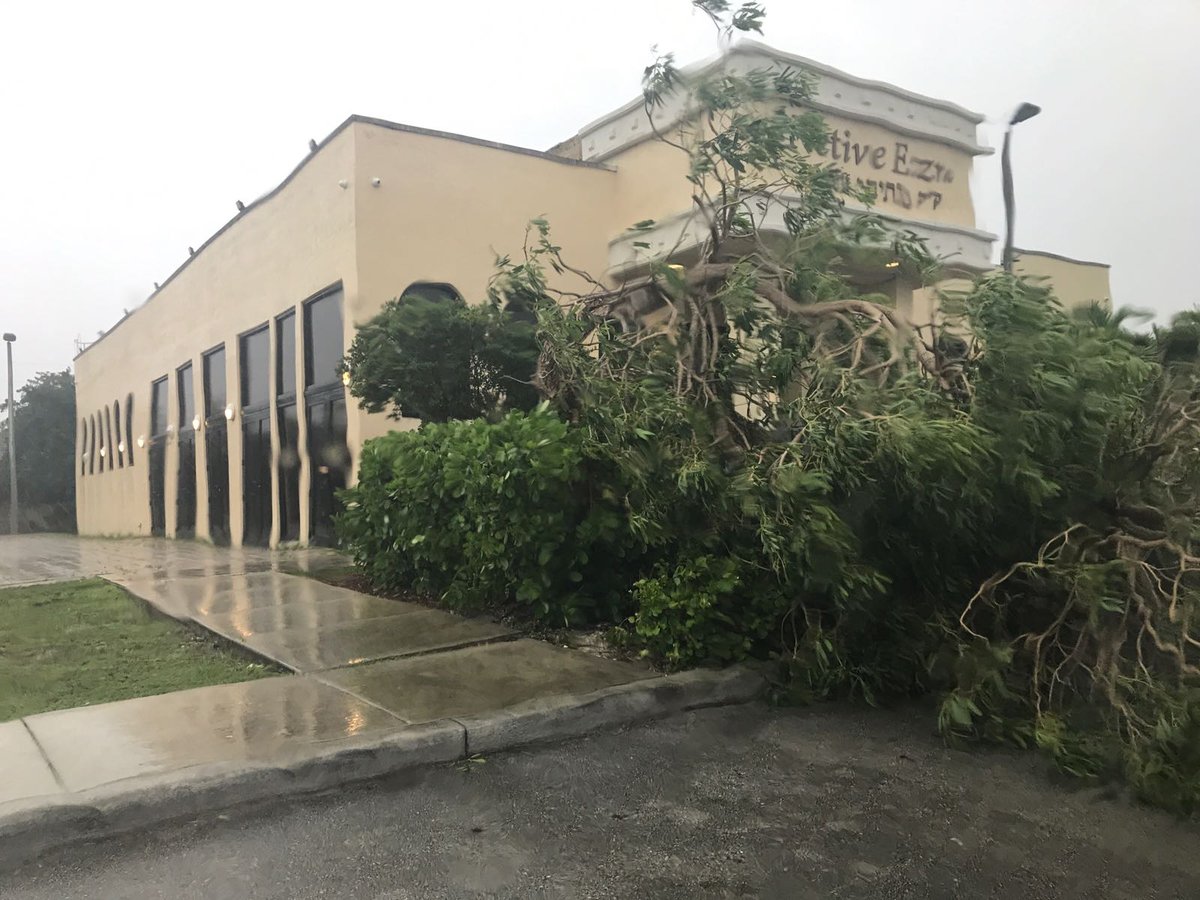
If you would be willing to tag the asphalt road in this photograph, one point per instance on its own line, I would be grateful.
(740, 802)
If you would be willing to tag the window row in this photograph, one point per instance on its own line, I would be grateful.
(106, 439)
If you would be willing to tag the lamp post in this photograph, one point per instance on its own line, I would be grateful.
(9, 337)
(1024, 111)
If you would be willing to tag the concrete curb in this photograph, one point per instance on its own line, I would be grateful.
(572, 715)
(30, 827)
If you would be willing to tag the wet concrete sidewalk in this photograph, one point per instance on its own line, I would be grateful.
(366, 668)
(38, 558)
(306, 625)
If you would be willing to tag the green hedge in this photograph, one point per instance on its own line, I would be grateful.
(488, 514)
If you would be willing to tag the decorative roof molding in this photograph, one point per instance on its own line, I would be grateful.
(838, 93)
(1018, 253)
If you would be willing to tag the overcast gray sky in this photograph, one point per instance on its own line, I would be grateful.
(130, 128)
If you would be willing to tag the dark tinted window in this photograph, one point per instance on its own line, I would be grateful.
(285, 354)
(158, 406)
(120, 435)
(432, 291)
(129, 429)
(214, 382)
(256, 367)
(323, 340)
(92, 445)
(83, 454)
(187, 397)
(110, 452)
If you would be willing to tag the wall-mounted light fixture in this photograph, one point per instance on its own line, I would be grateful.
(121, 447)
(346, 378)
(376, 181)
(141, 440)
(343, 184)
(103, 451)
(229, 412)
(195, 423)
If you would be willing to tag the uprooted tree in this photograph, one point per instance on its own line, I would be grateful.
(740, 453)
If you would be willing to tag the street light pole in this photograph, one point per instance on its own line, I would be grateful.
(9, 337)
(1024, 111)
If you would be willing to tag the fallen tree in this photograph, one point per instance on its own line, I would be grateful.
(745, 454)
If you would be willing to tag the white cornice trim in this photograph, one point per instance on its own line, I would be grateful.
(959, 246)
(838, 93)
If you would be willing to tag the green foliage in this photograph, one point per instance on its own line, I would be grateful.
(998, 508)
(703, 610)
(433, 357)
(489, 515)
(46, 429)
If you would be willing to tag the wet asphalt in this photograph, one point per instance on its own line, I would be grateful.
(738, 802)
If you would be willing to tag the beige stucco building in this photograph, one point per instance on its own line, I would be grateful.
(214, 409)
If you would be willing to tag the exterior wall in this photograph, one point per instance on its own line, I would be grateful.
(916, 153)
(913, 178)
(379, 206)
(278, 252)
(652, 184)
(445, 208)
(1075, 282)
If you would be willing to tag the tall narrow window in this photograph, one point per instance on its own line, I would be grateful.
(256, 363)
(285, 355)
(83, 454)
(325, 412)
(288, 425)
(158, 408)
(156, 453)
(255, 392)
(214, 383)
(323, 340)
(129, 428)
(185, 485)
(120, 435)
(216, 445)
(110, 450)
(91, 445)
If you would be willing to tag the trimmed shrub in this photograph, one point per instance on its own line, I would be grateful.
(703, 610)
(490, 514)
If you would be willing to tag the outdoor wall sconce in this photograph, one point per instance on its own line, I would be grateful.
(195, 423)
(346, 379)
(229, 412)
(376, 181)
(103, 452)
(141, 440)
(121, 447)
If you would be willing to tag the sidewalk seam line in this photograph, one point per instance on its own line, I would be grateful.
(46, 756)
(316, 676)
(466, 736)
(414, 654)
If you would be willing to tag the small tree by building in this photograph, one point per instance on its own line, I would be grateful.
(429, 355)
(45, 453)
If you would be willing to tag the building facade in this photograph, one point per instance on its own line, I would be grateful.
(215, 410)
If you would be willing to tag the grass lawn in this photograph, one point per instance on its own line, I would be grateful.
(85, 642)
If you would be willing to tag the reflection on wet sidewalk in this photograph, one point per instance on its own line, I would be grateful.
(32, 558)
(306, 625)
(368, 666)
